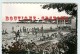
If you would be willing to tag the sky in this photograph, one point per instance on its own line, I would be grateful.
(28, 10)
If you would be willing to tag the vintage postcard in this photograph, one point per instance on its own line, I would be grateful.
(39, 28)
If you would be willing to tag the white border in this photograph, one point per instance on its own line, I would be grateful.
(54, 1)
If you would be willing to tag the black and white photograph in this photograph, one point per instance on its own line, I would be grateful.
(44, 28)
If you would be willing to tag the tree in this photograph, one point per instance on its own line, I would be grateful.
(70, 8)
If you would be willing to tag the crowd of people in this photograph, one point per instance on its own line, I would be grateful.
(22, 47)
